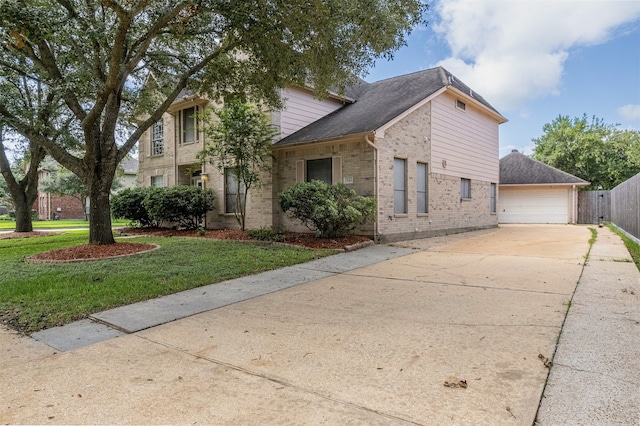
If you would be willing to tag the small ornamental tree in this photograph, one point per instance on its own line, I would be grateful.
(329, 210)
(239, 145)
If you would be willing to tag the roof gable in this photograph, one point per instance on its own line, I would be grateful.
(519, 169)
(379, 103)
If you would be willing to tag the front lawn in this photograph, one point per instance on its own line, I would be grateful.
(10, 225)
(38, 296)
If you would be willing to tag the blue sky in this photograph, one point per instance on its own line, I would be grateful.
(533, 60)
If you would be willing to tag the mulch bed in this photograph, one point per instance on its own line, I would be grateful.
(293, 238)
(93, 252)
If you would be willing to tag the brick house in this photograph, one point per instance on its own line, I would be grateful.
(423, 144)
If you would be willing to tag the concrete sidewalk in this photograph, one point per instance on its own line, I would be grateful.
(595, 379)
(449, 334)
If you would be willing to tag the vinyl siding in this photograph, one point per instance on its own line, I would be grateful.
(466, 140)
(301, 109)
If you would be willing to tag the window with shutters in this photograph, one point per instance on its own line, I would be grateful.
(321, 169)
(157, 181)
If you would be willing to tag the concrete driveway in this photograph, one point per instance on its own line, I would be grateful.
(372, 346)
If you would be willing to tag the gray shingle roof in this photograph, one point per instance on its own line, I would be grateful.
(378, 103)
(518, 169)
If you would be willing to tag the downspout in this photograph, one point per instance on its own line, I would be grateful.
(377, 187)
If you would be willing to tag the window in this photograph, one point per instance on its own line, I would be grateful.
(321, 169)
(422, 186)
(465, 188)
(157, 138)
(492, 198)
(157, 181)
(461, 105)
(188, 125)
(231, 188)
(399, 186)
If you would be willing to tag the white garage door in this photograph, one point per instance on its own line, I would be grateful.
(533, 205)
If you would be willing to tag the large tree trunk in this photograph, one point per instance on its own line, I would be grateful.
(23, 212)
(100, 209)
(24, 192)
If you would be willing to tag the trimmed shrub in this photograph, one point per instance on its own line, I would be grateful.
(267, 234)
(329, 210)
(183, 205)
(128, 204)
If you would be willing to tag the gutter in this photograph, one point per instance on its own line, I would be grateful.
(377, 186)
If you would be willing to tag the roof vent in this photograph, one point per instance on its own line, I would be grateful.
(514, 150)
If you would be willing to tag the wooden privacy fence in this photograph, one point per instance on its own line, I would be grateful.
(594, 206)
(625, 206)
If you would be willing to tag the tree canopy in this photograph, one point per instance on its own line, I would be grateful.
(591, 150)
(115, 66)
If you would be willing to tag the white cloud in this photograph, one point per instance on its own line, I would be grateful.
(514, 51)
(629, 112)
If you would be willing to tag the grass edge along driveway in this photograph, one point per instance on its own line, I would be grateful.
(38, 296)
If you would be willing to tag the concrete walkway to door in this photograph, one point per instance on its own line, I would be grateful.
(456, 333)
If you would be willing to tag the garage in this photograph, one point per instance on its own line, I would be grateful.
(534, 192)
(533, 205)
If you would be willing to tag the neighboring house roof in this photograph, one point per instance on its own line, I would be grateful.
(519, 169)
(379, 103)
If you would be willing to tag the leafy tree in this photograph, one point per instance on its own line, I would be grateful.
(329, 210)
(21, 183)
(239, 145)
(5, 195)
(594, 151)
(111, 61)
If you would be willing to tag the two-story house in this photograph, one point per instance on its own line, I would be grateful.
(424, 145)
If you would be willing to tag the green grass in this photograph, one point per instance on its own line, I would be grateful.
(38, 296)
(10, 225)
(632, 246)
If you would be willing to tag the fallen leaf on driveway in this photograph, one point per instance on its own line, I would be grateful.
(454, 382)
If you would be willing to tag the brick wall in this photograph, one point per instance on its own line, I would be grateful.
(47, 206)
(410, 139)
(358, 166)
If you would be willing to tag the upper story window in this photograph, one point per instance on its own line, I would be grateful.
(188, 125)
(461, 105)
(157, 138)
